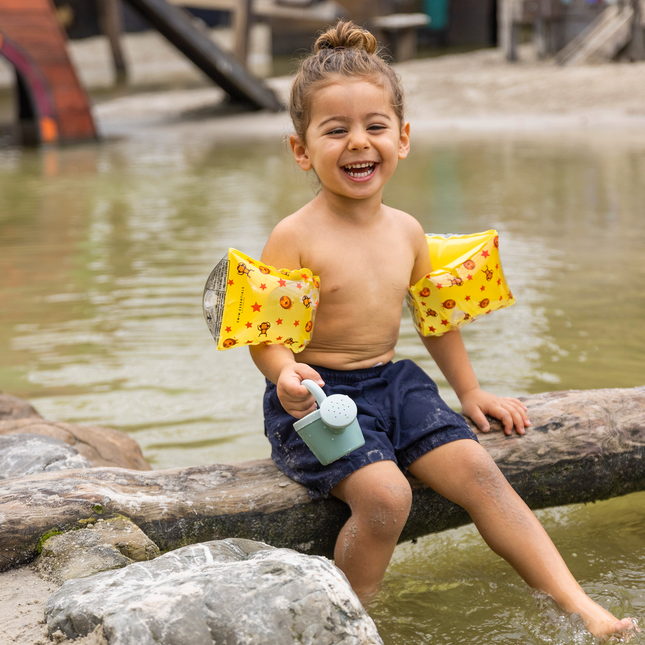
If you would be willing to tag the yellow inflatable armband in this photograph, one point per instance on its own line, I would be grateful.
(246, 302)
(467, 282)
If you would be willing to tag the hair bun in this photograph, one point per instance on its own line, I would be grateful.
(346, 35)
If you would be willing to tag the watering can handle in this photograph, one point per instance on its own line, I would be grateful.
(316, 390)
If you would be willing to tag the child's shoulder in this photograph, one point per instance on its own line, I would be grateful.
(282, 247)
(404, 218)
(406, 223)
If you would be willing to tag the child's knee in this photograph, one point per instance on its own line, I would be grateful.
(385, 508)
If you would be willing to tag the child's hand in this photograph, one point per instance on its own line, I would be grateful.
(295, 397)
(476, 404)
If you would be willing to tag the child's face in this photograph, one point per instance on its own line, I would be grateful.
(354, 139)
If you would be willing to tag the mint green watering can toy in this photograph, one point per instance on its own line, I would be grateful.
(331, 431)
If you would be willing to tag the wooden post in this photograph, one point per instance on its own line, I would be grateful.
(637, 47)
(541, 37)
(242, 29)
(507, 30)
(110, 16)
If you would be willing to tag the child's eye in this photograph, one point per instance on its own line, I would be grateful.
(337, 131)
(376, 126)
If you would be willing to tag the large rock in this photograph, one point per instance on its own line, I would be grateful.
(100, 446)
(102, 546)
(232, 591)
(28, 454)
(11, 407)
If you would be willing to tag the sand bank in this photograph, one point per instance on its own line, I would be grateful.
(472, 92)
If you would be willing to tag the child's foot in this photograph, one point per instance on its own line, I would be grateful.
(602, 623)
(613, 628)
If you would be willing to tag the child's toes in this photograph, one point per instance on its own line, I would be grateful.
(623, 630)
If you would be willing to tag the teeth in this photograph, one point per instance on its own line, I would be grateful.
(369, 164)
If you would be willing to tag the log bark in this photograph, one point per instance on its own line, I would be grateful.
(582, 446)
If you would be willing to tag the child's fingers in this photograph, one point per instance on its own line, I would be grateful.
(514, 416)
(520, 408)
(479, 419)
(294, 388)
(294, 396)
(300, 409)
(515, 402)
(305, 371)
(507, 419)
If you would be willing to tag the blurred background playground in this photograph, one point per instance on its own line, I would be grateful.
(55, 52)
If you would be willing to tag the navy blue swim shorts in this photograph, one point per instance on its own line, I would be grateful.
(400, 413)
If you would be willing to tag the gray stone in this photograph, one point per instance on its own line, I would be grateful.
(228, 592)
(105, 545)
(28, 454)
(100, 446)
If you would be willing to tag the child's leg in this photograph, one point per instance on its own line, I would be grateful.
(465, 473)
(379, 497)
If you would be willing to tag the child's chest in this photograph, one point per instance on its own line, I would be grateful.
(362, 270)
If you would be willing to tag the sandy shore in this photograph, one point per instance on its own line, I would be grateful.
(23, 596)
(474, 92)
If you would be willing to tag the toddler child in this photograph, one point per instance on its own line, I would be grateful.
(347, 111)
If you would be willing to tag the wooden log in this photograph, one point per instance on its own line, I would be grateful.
(582, 446)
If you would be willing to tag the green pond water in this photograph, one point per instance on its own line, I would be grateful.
(104, 251)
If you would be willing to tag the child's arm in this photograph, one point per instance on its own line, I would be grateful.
(449, 352)
(278, 364)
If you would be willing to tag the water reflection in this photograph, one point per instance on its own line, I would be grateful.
(104, 250)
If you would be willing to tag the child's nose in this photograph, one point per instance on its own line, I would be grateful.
(359, 140)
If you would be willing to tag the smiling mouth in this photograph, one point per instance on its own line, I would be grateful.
(360, 170)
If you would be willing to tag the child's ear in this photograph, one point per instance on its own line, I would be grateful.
(299, 152)
(404, 141)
